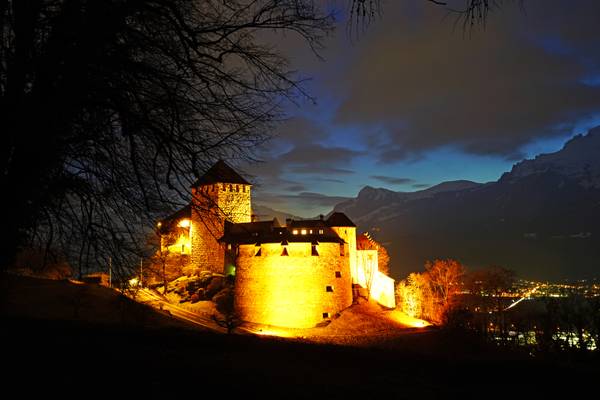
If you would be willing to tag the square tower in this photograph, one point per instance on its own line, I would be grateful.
(220, 195)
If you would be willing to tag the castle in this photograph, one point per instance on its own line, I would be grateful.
(292, 275)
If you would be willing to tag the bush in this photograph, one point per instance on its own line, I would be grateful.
(215, 285)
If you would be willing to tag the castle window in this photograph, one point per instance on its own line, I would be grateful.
(228, 246)
(295, 231)
(183, 249)
(244, 188)
(231, 188)
(224, 188)
(284, 252)
(313, 250)
(338, 274)
(320, 231)
(303, 232)
(237, 188)
(342, 249)
(258, 252)
(325, 315)
(310, 231)
(329, 289)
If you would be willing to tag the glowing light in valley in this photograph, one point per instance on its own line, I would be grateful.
(525, 296)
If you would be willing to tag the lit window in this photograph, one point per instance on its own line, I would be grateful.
(310, 231)
(184, 223)
(295, 231)
(329, 289)
(320, 231)
(338, 274)
(303, 231)
(228, 246)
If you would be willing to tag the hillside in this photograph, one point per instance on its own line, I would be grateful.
(540, 219)
(58, 353)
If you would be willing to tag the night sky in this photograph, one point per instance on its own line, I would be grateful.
(416, 101)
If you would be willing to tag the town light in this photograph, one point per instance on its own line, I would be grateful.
(184, 223)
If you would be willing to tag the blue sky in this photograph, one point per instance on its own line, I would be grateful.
(414, 102)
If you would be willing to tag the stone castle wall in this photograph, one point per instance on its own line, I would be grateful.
(212, 205)
(292, 291)
(349, 236)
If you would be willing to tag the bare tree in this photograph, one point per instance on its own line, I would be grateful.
(112, 108)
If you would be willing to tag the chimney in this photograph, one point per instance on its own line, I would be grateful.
(321, 216)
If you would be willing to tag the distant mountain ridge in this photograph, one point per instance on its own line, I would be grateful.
(542, 218)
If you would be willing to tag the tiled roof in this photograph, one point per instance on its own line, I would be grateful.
(272, 232)
(220, 173)
(339, 219)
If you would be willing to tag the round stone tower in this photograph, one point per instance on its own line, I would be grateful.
(220, 195)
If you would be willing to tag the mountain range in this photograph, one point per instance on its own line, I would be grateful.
(541, 219)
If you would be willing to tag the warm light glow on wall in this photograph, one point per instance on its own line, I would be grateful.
(291, 293)
(184, 223)
(183, 245)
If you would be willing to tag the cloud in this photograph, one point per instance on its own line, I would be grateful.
(427, 87)
(421, 185)
(307, 204)
(392, 180)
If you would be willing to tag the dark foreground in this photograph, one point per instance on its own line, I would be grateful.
(78, 357)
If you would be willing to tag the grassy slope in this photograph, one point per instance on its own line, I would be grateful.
(60, 354)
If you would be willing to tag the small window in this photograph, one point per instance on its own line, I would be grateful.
(231, 188)
(342, 250)
(258, 252)
(224, 188)
(303, 232)
(295, 231)
(329, 289)
(310, 231)
(320, 231)
(237, 188)
(325, 315)
(228, 246)
(284, 252)
(338, 274)
(182, 248)
(313, 250)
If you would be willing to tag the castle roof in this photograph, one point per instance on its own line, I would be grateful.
(273, 232)
(339, 219)
(220, 173)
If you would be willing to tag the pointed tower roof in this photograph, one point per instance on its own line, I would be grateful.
(220, 173)
(339, 219)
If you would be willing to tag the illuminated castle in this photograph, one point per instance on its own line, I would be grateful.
(293, 275)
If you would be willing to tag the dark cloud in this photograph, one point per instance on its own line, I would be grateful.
(296, 149)
(420, 185)
(490, 92)
(309, 202)
(296, 188)
(330, 180)
(393, 180)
